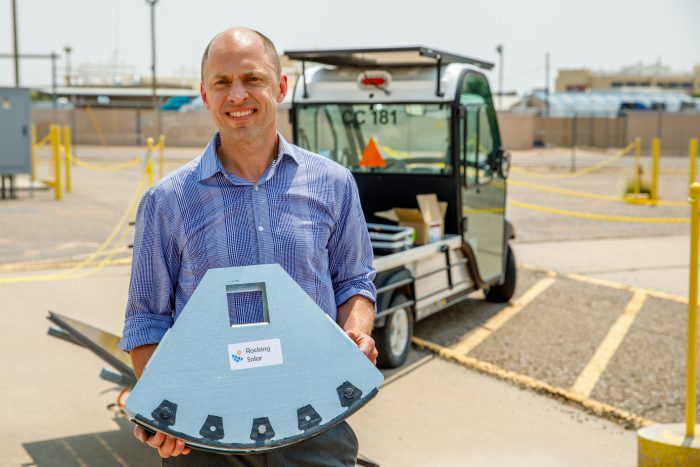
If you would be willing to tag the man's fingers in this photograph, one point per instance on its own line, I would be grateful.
(365, 343)
(166, 449)
(140, 434)
(179, 447)
(156, 441)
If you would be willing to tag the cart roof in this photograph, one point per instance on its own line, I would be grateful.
(384, 56)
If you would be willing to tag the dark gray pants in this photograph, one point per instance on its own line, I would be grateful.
(336, 447)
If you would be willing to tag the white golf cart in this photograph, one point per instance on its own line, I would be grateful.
(431, 120)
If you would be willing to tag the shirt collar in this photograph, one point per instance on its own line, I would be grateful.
(210, 164)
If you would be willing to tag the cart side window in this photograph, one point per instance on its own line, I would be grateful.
(479, 132)
(385, 138)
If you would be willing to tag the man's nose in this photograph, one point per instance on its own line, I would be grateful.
(237, 92)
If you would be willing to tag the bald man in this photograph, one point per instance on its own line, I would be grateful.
(250, 198)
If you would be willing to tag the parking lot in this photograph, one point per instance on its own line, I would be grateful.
(598, 320)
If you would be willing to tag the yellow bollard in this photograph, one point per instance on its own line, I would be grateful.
(161, 156)
(637, 164)
(33, 161)
(673, 443)
(67, 156)
(149, 161)
(692, 156)
(55, 138)
(655, 150)
(692, 312)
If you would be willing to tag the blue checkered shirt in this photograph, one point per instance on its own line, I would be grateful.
(304, 213)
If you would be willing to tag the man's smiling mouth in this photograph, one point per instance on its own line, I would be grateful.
(242, 113)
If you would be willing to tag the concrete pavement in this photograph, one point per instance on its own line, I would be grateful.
(654, 262)
(439, 414)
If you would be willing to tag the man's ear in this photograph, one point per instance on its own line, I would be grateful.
(203, 93)
(282, 88)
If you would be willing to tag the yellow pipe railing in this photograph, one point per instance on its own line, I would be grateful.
(149, 160)
(161, 156)
(692, 312)
(692, 156)
(67, 156)
(55, 138)
(33, 161)
(655, 151)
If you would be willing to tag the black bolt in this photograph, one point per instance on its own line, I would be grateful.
(165, 413)
(349, 393)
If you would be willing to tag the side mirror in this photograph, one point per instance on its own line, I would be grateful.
(499, 162)
(504, 163)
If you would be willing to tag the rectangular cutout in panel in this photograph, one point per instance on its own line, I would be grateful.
(247, 304)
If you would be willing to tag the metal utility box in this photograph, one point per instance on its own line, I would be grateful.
(15, 124)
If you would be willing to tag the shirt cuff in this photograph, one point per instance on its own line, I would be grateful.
(143, 329)
(343, 295)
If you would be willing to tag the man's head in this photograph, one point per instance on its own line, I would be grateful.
(270, 49)
(242, 84)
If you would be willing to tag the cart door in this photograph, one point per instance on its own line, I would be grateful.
(483, 186)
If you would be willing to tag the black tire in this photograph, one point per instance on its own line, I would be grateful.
(504, 292)
(394, 338)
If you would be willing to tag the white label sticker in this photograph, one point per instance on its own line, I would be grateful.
(246, 355)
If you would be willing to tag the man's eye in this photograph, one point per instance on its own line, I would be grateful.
(253, 78)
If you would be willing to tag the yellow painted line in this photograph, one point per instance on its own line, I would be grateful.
(588, 195)
(120, 233)
(607, 283)
(590, 375)
(64, 262)
(601, 217)
(593, 406)
(480, 334)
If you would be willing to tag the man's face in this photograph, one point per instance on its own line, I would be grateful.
(241, 89)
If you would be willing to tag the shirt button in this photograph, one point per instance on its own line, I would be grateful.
(256, 187)
(260, 228)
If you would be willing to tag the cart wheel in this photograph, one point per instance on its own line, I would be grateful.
(504, 292)
(394, 339)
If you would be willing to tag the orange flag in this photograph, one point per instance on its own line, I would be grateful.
(371, 156)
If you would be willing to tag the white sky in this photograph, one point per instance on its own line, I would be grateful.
(599, 34)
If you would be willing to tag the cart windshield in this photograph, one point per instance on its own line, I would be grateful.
(386, 138)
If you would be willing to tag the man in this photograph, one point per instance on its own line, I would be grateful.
(250, 198)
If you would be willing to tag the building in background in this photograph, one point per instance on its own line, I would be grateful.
(636, 76)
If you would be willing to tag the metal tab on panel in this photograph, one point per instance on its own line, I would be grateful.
(348, 394)
(165, 413)
(308, 417)
(213, 428)
(261, 430)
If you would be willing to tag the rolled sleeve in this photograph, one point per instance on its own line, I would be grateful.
(150, 304)
(350, 250)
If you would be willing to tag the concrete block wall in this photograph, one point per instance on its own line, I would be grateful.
(129, 127)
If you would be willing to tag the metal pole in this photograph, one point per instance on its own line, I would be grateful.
(15, 44)
(637, 164)
(546, 84)
(574, 130)
(156, 113)
(67, 77)
(54, 94)
(692, 313)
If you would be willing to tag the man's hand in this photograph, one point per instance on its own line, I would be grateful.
(365, 343)
(167, 446)
(356, 317)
